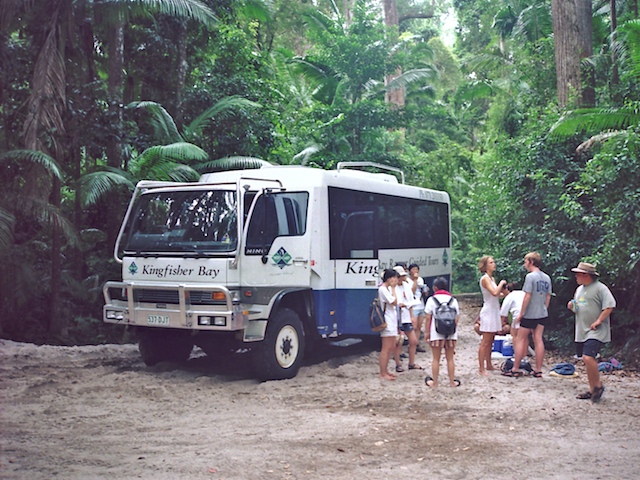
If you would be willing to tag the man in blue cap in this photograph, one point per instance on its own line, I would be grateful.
(592, 305)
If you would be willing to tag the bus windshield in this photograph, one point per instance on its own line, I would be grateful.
(197, 221)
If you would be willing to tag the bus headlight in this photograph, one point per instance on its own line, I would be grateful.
(114, 315)
(216, 321)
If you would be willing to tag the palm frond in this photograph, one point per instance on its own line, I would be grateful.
(36, 157)
(631, 33)
(305, 154)
(157, 163)
(595, 120)
(161, 121)
(232, 163)
(7, 221)
(224, 105)
(472, 91)
(411, 76)
(96, 185)
(184, 173)
(122, 10)
(260, 10)
(51, 216)
(47, 99)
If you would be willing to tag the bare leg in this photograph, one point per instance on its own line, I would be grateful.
(593, 375)
(397, 350)
(451, 366)
(484, 352)
(435, 364)
(388, 346)
(520, 349)
(538, 344)
(413, 343)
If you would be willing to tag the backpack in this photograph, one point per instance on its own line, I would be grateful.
(445, 317)
(376, 316)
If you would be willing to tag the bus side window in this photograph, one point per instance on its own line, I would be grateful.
(356, 239)
(263, 226)
(275, 215)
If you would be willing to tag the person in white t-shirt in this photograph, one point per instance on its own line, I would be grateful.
(404, 294)
(511, 306)
(439, 341)
(420, 292)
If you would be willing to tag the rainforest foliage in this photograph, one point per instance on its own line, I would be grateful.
(96, 95)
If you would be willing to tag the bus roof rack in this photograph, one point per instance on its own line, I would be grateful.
(345, 165)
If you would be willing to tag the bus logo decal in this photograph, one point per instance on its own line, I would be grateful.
(281, 258)
(133, 268)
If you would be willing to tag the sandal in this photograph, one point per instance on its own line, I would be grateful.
(399, 369)
(512, 374)
(427, 380)
(456, 382)
(597, 394)
(584, 396)
(415, 367)
(537, 374)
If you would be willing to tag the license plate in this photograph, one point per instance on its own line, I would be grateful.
(157, 320)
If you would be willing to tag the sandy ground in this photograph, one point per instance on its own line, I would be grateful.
(98, 412)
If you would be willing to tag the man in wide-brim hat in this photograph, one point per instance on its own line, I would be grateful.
(584, 267)
(592, 305)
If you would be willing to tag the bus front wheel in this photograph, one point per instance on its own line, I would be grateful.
(280, 355)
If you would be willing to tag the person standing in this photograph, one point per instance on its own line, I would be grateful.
(490, 323)
(437, 340)
(592, 305)
(511, 306)
(404, 294)
(389, 302)
(533, 315)
(420, 291)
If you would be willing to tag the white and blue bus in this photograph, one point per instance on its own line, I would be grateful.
(271, 260)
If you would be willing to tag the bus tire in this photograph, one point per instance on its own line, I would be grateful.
(282, 350)
(164, 346)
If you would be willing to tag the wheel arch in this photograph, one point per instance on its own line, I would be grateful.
(300, 300)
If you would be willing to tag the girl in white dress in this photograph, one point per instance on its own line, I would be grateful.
(388, 300)
(490, 322)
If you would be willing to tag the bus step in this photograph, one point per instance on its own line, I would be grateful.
(345, 342)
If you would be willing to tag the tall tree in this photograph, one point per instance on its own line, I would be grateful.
(572, 31)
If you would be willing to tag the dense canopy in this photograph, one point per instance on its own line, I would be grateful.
(534, 135)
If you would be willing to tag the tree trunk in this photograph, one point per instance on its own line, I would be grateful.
(58, 324)
(182, 71)
(394, 97)
(113, 142)
(615, 76)
(572, 34)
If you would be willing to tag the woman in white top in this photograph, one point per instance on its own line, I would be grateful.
(404, 294)
(420, 291)
(490, 323)
(388, 300)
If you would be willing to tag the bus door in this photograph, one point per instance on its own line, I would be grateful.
(356, 270)
(277, 241)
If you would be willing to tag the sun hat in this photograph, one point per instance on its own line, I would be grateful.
(584, 267)
(400, 270)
